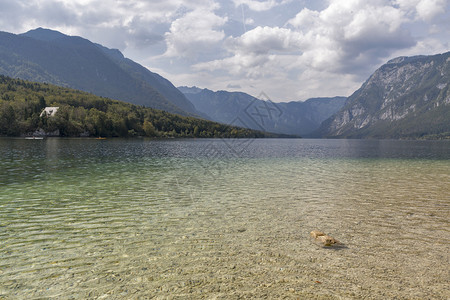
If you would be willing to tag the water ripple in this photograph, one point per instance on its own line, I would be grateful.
(141, 219)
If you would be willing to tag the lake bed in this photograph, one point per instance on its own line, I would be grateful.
(223, 219)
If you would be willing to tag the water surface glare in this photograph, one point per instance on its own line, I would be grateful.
(223, 219)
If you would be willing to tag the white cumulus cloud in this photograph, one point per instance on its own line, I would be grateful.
(195, 32)
(425, 10)
(262, 40)
(351, 33)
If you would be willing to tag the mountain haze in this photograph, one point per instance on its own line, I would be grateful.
(45, 55)
(408, 97)
(295, 118)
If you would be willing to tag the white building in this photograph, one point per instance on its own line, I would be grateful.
(49, 111)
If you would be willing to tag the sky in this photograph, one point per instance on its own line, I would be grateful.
(290, 50)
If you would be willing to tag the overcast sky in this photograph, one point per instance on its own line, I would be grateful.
(289, 49)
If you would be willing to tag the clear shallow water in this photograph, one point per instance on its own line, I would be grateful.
(177, 219)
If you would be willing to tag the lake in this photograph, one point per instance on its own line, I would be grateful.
(223, 219)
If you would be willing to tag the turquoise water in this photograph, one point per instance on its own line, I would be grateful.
(225, 219)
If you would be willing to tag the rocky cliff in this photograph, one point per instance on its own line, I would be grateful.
(408, 97)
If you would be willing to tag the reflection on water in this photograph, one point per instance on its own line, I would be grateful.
(124, 219)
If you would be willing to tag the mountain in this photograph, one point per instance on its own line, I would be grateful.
(82, 114)
(45, 55)
(408, 97)
(294, 118)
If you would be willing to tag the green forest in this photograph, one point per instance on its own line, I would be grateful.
(84, 114)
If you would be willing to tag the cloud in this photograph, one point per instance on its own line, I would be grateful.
(260, 5)
(249, 21)
(234, 86)
(97, 20)
(349, 34)
(429, 9)
(19, 16)
(195, 32)
(289, 49)
(427, 46)
(182, 25)
(262, 40)
(253, 53)
(339, 45)
(426, 10)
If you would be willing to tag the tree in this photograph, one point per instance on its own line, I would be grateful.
(149, 129)
(8, 123)
(42, 103)
(196, 131)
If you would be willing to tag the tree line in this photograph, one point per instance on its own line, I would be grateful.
(84, 114)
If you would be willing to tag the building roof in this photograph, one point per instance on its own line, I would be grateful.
(50, 111)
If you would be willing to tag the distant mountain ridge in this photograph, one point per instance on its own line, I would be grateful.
(80, 114)
(294, 118)
(45, 55)
(408, 97)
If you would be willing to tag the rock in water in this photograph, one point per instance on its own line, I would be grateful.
(316, 233)
(327, 240)
(322, 238)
